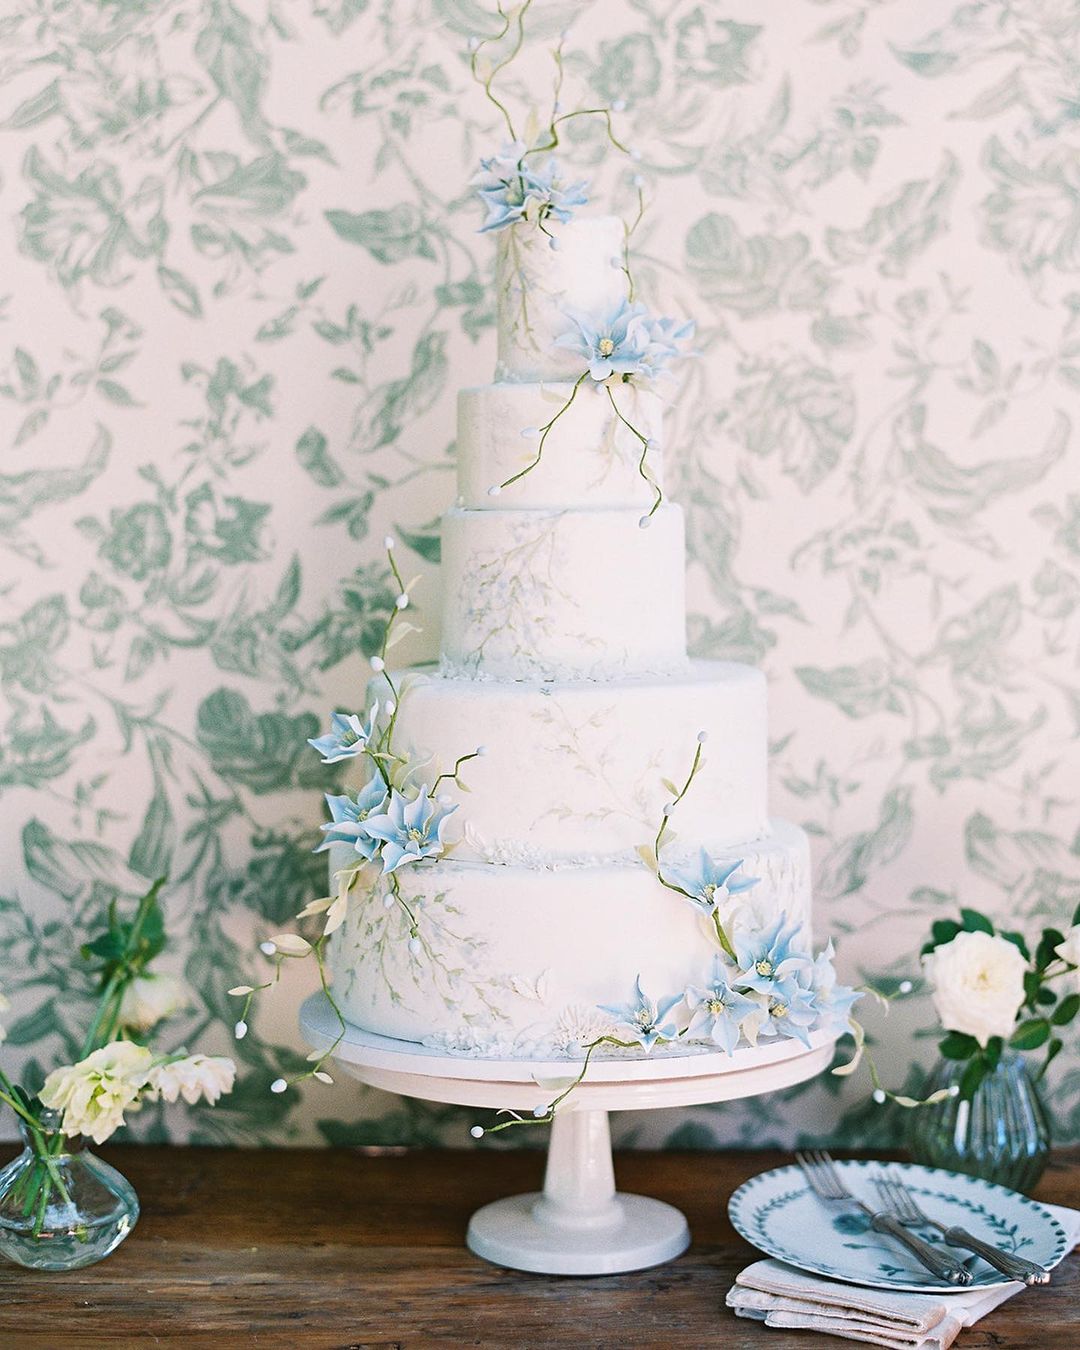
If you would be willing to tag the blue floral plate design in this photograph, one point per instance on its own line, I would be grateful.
(777, 1213)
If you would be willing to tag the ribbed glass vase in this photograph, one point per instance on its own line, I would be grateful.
(60, 1206)
(1002, 1134)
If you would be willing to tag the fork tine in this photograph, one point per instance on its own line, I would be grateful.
(812, 1173)
(908, 1203)
(832, 1172)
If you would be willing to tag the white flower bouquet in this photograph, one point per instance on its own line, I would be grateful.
(117, 1070)
(992, 992)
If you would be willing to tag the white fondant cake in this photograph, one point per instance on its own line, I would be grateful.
(563, 655)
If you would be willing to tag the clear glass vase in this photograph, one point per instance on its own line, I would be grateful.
(1002, 1134)
(60, 1206)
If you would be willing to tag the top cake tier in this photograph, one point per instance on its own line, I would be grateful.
(537, 284)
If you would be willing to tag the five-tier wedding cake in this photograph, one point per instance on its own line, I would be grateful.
(525, 865)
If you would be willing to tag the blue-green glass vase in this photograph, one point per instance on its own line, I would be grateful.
(1002, 1134)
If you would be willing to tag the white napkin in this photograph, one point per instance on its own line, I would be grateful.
(781, 1296)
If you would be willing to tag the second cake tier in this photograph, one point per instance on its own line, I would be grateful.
(563, 594)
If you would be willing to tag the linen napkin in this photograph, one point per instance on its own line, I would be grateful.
(781, 1296)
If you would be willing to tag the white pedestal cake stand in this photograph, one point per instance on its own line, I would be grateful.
(578, 1225)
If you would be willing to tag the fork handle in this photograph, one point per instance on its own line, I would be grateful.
(936, 1261)
(1015, 1267)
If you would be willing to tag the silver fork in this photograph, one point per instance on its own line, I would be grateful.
(896, 1198)
(827, 1184)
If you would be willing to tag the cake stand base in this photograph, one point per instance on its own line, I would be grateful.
(578, 1224)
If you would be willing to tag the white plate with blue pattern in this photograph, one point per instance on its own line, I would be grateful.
(777, 1213)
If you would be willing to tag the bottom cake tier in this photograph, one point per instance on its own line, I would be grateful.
(515, 961)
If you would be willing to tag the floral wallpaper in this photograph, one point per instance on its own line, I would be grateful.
(240, 283)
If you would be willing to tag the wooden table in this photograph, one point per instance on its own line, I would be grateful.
(333, 1248)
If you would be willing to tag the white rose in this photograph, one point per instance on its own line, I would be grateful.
(148, 999)
(95, 1093)
(1069, 950)
(4, 1006)
(195, 1077)
(978, 984)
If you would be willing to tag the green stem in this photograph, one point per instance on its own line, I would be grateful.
(501, 65)
(544, 430)
(463, 759)
(642, 470)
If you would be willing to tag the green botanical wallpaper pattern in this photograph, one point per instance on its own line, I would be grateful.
(239, 285)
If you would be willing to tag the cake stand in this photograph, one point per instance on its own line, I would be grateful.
(578, 1224)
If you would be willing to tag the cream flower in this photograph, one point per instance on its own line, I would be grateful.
(4, 1006)
(148, 999)
(94, 1093)
(978, 983)
(193, 1078)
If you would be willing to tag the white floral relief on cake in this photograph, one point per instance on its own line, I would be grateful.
(514, 597)
(592, 759)
(447, 971)
(514, 282)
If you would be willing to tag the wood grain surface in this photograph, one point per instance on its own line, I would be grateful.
(334, 1248)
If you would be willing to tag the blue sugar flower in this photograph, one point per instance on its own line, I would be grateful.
(349, 816)
(347, 737)
(409, 829)
(611, 344)
(707, 883)
(642, 1019)
(768, 956)
(717, 1012)
(791, 1011)
(664, 337)
(513, 188)
(833, 1002)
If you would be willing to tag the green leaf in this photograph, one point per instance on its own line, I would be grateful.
(1066, 1010)
(1045, 951)
(1052, 1051)
(389, 236)
(180, 292)
(426, 542)
(1031, 1034)
(944, 930)
(311, 451)
(957, 1045)
(115, 393)
(974, 922)
(973, 1076)
(35, 1026)
(1017, 940)
(857, 691)
(992, 1052)
(280, 326)
(151, 851)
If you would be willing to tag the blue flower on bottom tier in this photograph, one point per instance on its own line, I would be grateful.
(833, 1002)
(409, 829)
(791, 1011)
(708, 883)
(610, 344)
(642, 1019)
(718, 1012)
(349, 817)
(768, 956)
(347, 737)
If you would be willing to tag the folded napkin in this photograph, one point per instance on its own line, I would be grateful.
(781, 1296)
